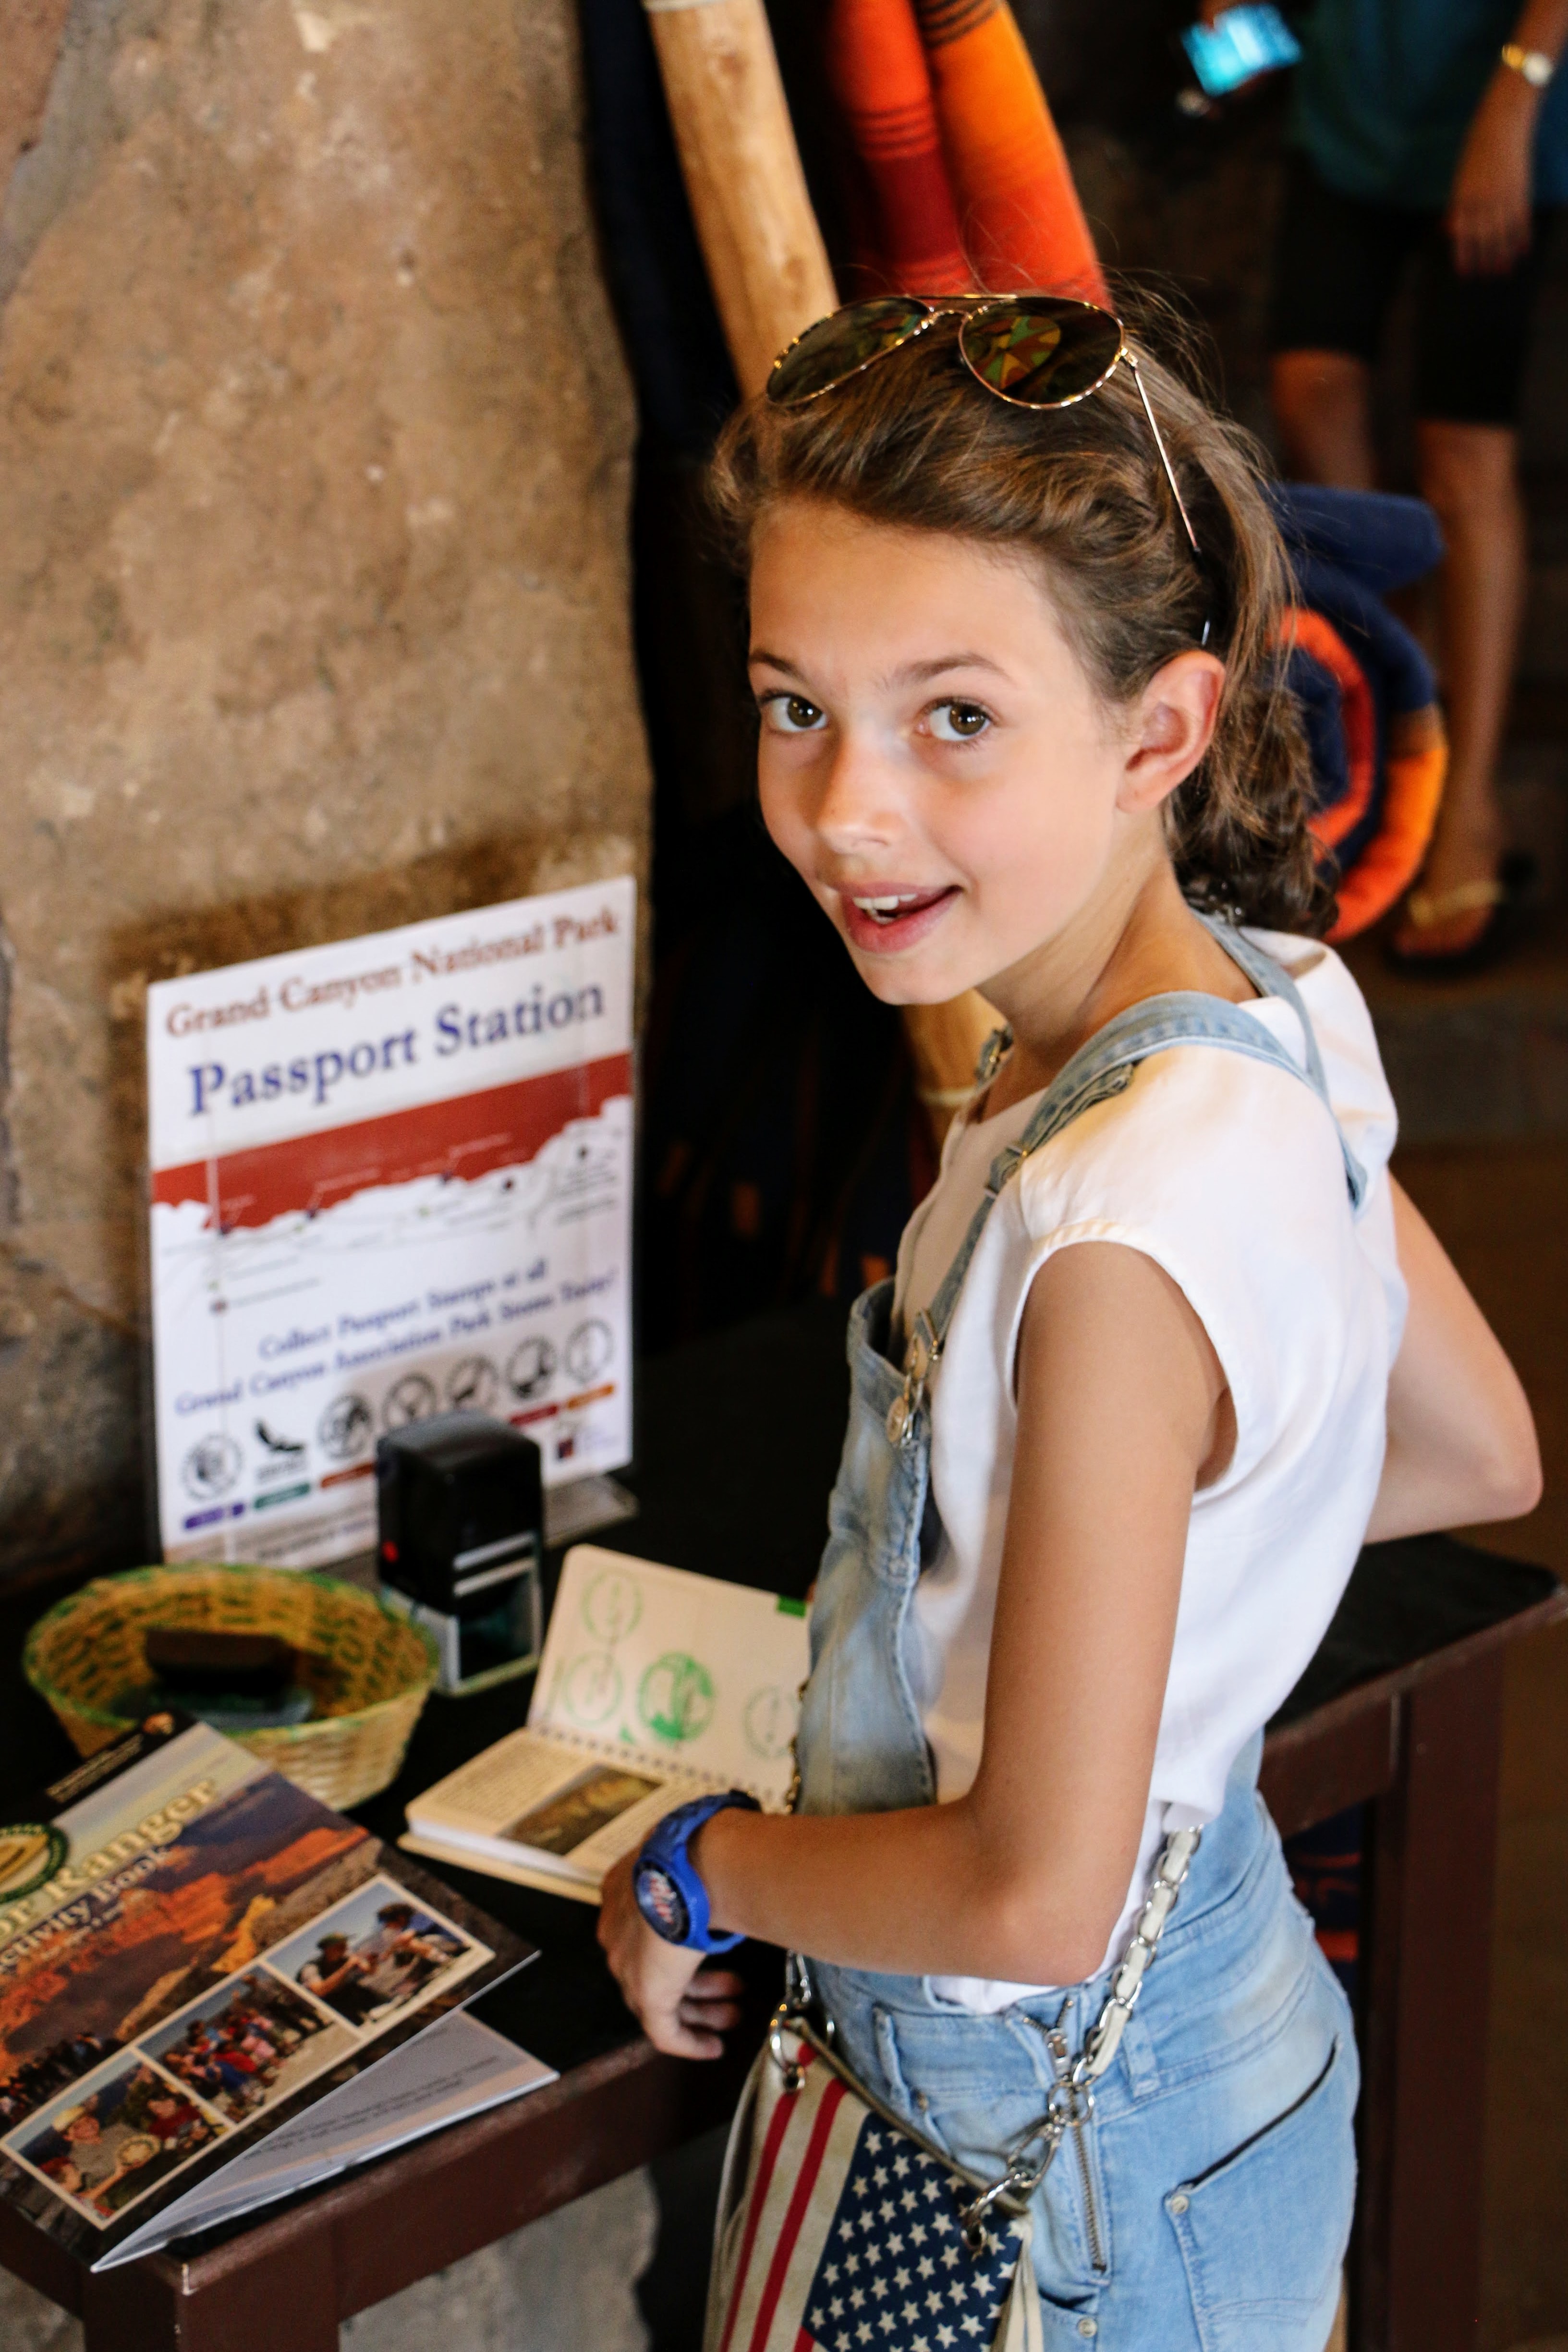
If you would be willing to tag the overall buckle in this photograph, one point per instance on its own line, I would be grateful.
(920, 1353)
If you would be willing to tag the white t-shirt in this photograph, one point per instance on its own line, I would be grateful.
(1227, 1172)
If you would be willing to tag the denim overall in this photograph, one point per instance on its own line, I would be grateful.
(1206, 2206)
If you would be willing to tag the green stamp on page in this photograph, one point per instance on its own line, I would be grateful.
(675, 1698)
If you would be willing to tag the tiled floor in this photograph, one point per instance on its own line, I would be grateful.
(1502, 1211)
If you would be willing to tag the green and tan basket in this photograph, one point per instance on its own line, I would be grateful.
(369, 1672)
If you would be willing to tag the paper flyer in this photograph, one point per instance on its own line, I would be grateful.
(196, 1955)
(390, 1177)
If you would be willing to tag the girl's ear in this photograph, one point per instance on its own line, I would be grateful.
(1170, 727)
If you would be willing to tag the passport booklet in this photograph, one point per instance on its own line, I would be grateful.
(655, 1686)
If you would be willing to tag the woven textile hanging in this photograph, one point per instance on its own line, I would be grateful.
(905, 228)
(1018, 209)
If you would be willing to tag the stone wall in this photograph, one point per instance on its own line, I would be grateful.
(314, 459)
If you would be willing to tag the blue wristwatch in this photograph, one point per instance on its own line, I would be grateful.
(669, 1894)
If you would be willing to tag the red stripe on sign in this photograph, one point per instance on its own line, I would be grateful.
(778, 2123)
(462, 1137)
(804, 2185)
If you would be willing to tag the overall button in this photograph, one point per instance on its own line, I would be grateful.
(1179, 2203)
(1089, 2327)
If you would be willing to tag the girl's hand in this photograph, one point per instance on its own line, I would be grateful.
(681, 2011)
(1489, 207)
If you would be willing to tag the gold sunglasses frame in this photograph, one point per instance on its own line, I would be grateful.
(977, 307)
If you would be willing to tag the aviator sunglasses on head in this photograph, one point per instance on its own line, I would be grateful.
(1034, 351)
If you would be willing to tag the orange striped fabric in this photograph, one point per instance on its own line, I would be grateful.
(1358, 717)
(1022, 222)
(905, 232)
(1411, 795)
(1415, 766)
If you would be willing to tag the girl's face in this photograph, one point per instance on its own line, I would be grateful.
(934, 761)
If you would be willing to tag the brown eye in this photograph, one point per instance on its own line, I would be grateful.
(791, 714)
(959, 722)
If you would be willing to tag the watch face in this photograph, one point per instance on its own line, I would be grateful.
(662, 1904)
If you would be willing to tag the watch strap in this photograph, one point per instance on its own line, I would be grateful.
(665, 1852)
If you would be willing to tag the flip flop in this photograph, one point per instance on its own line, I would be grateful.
(1502, 895)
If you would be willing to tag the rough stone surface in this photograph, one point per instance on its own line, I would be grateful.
(31, 41)
(314, 455)
(564, 2284)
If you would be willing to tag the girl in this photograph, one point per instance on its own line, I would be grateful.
(1165, 1343)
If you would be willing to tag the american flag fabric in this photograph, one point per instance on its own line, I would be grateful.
(846, 2237)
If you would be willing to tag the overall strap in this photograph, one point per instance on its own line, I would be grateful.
(1103, 1068)
(1271, 978)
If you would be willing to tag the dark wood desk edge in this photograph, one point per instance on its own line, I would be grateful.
(475, 2182)
(30, 2256)
(1367, 1697)
(1349, 1749)
(484, 2137)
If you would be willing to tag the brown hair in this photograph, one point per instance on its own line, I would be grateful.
(915, 442)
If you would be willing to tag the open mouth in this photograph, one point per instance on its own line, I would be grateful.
(888, 919)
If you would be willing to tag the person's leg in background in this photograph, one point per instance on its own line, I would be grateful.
(1469, 473)
(1472, 338)
(1322, 405)
(1336, 264)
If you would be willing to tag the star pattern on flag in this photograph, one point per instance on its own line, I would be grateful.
(895, 2275)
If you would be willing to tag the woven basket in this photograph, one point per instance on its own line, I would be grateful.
(369, 1672)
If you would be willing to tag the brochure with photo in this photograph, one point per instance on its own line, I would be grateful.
(655, 1686)
(198, 1965)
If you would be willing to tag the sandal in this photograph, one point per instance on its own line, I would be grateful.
(1502, 895)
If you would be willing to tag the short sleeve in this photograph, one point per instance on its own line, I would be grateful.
(1227, 1172)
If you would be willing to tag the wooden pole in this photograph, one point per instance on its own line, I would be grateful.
(770, 274)
(765, 258)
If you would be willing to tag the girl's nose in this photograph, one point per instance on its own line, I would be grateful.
(858, 804)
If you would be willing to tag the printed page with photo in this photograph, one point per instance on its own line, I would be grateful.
(193, 1953)
(456, 2069)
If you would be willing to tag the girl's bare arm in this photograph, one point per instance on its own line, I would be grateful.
(1122, 1413)
(1118, 1411)
(1461, 1440)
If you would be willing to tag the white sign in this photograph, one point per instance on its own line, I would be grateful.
(390, 1177)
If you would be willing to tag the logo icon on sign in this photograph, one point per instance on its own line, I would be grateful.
(346, 1428)
(211, 1466)
(589, 1350)
(531, 1368)
(412, 1398)
(284, 1448)
(471, 1385)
